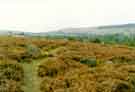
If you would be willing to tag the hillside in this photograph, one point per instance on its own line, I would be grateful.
(87, 31)
(42, 65)
(101, 30)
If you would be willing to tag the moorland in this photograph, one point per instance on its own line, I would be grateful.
(32, 64)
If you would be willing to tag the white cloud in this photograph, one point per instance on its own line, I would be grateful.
(44, 15)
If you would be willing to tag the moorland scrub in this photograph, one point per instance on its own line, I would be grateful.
(45, 65)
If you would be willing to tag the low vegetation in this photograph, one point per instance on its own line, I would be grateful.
(117, 38)
(47, 65)
(11, 77)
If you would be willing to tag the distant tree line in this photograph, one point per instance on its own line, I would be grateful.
(106, 39)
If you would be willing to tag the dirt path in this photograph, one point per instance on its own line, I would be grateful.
(28, 77)
(31, 82)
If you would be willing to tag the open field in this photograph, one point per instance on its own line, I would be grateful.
(42, 65)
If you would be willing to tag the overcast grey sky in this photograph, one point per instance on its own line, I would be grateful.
(45, 15)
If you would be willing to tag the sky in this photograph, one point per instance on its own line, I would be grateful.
(50, 15)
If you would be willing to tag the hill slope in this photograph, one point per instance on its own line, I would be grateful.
(101, 30)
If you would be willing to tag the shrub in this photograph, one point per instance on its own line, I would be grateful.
(52, 67)
(121, 87)
(96, 40)
(11, 77)
(132, 81)
(11, 72)
(33, 51)
(89, 61)
(122, 60)
(44, 71)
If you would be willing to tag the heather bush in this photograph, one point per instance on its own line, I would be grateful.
(11, 77)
